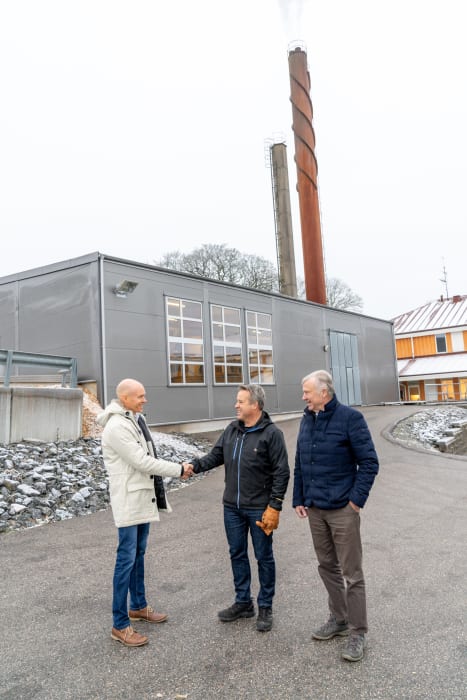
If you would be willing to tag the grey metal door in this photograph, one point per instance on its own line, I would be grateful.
(344, 367)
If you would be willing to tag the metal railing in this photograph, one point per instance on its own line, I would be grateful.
(16, 357)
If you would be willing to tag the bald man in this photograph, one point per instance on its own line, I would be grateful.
(136, 496)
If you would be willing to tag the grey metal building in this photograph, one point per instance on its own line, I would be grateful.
(191, 341)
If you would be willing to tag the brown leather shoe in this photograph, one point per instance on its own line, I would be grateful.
(129, 637)
(148, 614)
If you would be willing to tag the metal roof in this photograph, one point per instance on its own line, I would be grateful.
(452, 363)
(446, 313)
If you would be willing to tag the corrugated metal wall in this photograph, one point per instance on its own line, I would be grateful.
(56, 313)
(59, 313)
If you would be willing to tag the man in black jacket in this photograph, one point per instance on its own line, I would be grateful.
(257, 472)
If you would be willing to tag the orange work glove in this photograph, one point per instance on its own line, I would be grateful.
(269, 521)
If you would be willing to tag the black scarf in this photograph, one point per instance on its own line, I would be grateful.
(158, 480)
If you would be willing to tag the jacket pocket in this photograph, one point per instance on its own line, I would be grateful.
(139, 486)
(138, 481)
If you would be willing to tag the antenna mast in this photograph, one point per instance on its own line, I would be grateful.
(444, 280)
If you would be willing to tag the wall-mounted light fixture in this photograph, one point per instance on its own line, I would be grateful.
(125, 288)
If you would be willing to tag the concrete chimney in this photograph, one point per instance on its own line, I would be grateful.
(283, 220)
(307, 176)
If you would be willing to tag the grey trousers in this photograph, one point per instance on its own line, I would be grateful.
(338, 547)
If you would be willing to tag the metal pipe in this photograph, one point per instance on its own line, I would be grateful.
(103, 336)
(307, 176)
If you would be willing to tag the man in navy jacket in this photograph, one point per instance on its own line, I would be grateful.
(335, 467)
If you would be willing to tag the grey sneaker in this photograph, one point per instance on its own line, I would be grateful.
(331, 629)
(354, 648)
(235, 611)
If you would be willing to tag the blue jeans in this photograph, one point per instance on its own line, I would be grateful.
(238, 522)
(129, 573)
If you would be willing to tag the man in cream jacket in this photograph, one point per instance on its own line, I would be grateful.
(133, 470)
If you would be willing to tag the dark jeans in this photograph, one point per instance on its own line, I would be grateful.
(238, 522)
(338, 547)
(129, 573)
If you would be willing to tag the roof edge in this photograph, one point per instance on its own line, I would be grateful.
(95, 256)
(52, 267)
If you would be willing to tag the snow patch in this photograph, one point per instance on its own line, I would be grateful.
(425, 428)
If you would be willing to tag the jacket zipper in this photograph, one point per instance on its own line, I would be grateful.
(239, 458)
(238, 470)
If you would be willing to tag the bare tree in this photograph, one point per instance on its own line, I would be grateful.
(339, 294)
(259, 273)
(173, 260)
(219, 262)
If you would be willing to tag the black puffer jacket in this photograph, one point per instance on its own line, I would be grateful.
(256, 464)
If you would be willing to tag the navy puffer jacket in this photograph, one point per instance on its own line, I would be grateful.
(336, 461)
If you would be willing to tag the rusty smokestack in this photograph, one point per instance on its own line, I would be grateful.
(283, 220)
(307, 176)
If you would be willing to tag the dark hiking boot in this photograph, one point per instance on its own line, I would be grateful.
(264, 619)
(235, 611)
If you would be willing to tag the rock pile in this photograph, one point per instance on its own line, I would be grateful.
(428, 428)
(43, 482)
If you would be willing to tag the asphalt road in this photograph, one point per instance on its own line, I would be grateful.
(55, 599)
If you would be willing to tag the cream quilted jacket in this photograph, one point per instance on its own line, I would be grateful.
(130, 467)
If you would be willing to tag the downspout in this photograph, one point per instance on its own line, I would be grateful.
(103, 339)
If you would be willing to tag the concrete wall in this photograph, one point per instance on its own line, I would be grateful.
(455, 439)
(5, 415)
(40, 413)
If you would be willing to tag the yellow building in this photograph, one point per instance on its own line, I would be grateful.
(431, 350)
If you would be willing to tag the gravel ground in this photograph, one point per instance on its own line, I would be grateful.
(55, 598)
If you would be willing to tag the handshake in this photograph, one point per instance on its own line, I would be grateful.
(187, 471)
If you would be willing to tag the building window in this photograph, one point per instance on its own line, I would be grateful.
(457, 340)
(447, 390)
(414, 392)
(185, 339)
(441, 343)
(260, 360)
(226, 345)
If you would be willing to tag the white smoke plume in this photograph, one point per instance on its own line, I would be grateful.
(292, 17)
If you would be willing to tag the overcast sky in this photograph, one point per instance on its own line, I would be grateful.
(138, 128)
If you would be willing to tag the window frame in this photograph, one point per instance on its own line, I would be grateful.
(226, 343)
(258, 348)
(184, 341)
(441, 337)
